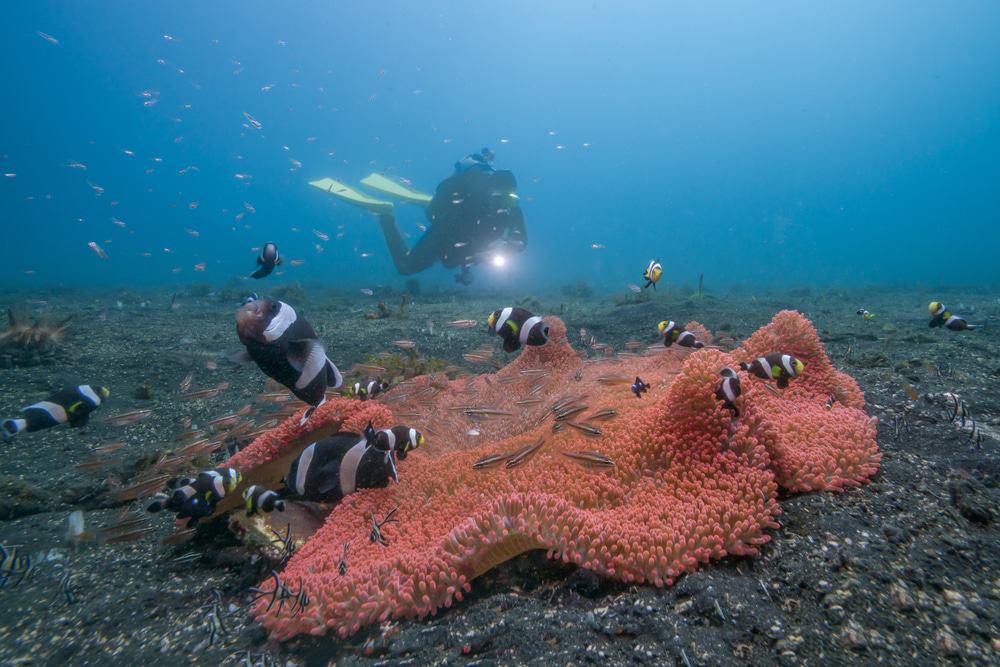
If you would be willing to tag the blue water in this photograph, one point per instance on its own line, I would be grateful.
(763, 143)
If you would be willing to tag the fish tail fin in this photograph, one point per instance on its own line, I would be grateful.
(11, 427)
(159, 504)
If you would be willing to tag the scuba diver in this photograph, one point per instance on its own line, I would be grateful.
(481, 161)
(474, 217)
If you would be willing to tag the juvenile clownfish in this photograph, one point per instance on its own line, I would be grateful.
(675, 333)
(942, 317)
(399, 439)
(266, 261)
(865, 315)
(638, 387)
(517, 327)
(729, 389)
(259, 499)
(72, 406)
(651, 274)
(366, 390)
(195, 498)
(776, 366)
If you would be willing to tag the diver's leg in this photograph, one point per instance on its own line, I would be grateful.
(422, 256)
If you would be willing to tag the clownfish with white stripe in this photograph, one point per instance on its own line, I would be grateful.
(337, 466)
(775, 366)
(259, 499)
(651, 274)
(365, 390)
(266, 261)
(518, 327)
(675, 333)
(942, 317)
(72, 406)
(194, 498)
(284, 346)
(729, 389)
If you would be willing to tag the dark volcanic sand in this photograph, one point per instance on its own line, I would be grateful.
(902, 571)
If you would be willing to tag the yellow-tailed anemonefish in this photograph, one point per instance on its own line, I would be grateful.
(942, 317)
(775, 366)
(72, 406)
(338, 465)
(195, 498)
(285, 346)
(365, 390)
(651, 274)
(517, 327)
(259, 499)
(729, 389)
(675, 333)
(266, 261)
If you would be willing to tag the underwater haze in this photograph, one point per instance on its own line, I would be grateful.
(771, 143)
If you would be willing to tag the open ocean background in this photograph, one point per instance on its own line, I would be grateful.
(776, 143)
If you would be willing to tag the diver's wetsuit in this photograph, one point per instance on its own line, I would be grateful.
(470, 210)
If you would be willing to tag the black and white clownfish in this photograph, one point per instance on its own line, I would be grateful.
(72, 406)
(675, 333)
(518, 327)
(942, 317)
(729, 389)
(338, 465)
(400, 439)
(365, 390)
(259, 499)
(775, 366)
(266, 260)
(651, 274)
(195, 498)
(284, 346)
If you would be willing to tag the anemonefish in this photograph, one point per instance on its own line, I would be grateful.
(729, 389)
(365, 390)
(400, 439)
(72, 406)
(259, 499)
(338, 465)
(195, 498)
(675, 333)
(942, 317)
(267, 260)
(638, 387)
(651, 274)
(286, 348)
(518, 327)
(776, 366)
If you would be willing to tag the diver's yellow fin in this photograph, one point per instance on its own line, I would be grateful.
(398, 190)
(352, 196)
